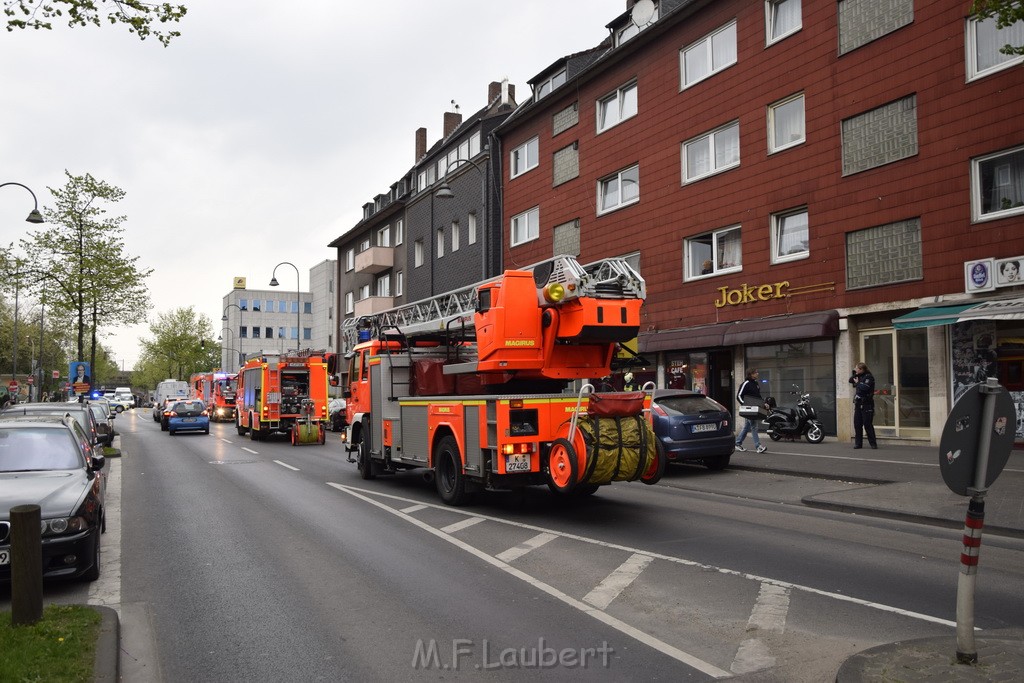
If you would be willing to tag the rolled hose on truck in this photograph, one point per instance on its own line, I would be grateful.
(620, 449)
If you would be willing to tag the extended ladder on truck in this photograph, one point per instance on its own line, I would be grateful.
(435, 316)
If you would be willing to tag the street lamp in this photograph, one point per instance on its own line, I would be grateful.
(444, 191)
(33, 216)
(224, 318)
(298, 299)
(224, 347)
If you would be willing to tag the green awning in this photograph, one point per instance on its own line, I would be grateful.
(931, 315)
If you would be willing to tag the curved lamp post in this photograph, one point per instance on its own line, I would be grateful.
(33, 216)
(298, 299)
(224, 318)
(444, 191)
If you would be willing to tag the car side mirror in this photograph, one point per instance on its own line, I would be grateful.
(98, 461)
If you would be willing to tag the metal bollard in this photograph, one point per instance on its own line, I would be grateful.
(26, 565)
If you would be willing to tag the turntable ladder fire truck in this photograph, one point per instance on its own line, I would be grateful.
(283, 393)
(471, 385)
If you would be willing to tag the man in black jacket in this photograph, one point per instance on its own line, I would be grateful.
(863, 406)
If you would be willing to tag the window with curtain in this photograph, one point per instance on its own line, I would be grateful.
(713, 253)
(617, 107)
(711, 153)
(984, 41)
(525, 226)
(790, 236)
(619, 190)
(707, 56)
(997, 184)
(782, 18)
(786, 123)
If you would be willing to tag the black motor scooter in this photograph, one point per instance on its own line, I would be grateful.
(792, 423)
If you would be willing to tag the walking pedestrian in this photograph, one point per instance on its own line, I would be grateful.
(863, 406)
(750, 395)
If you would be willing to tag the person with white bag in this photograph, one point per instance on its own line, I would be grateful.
(749, 397)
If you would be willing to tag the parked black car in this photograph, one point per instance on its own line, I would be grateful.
(80, 411)
(692, 427)
(49, 461)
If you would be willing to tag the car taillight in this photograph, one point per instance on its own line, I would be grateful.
(659, 410)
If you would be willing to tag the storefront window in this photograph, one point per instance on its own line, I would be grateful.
(802, 366)
(687, 371)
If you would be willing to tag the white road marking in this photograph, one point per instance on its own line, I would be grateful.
(769, 614)
(225, 440)
(414, 508)
(284, 464)
(621, 626)
(670, 558)
(525, 547)
(249, 450)
(464, 524)
(619, 580)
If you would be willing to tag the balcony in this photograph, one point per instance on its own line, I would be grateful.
(375, 260)
(373, 304)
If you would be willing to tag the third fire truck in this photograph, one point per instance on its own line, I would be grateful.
(472, 385)
(217, 390)
(282, 393)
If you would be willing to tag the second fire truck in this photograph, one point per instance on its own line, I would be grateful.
(217, 390)
(282, 393)
(471, 385)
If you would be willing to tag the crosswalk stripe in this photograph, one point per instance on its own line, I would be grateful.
(518, 551)
(617, 581)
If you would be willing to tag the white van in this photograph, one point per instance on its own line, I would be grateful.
(169, 388)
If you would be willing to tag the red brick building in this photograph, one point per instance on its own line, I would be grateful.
(792, 177)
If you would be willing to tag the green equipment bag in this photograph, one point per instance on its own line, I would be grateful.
(618, 448)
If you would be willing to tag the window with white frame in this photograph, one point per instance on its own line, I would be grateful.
(709, 55)
(474, 144)
(619, 190)
(471, 228)
(997, 184)
(364, 291)
(417, 253)
(364, 245)
(984, 41)
(440, 242)
(712, 152)
(544, 88)
(525, 226)
(384, 236)
(782, 18)
(350, 260)
(790, 235)
(523, 158)
(399, 232)
(382, 285)
(399, 282)
(455, 236)
(786, 123)
(617, 107)
(713, 253)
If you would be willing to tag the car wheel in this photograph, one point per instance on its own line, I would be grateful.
(563, 468)
(171, 431)
(238, 427)
(448, 475)
(119, 409)
(93, 572)
(206, 431)
(815, 434)
(716, 464)
(163, 426)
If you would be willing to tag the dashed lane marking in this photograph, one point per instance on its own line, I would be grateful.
(284, 464)
(524, 547)
(464, 524)
(769, 615)
(612, 622)
(249, 450)
(619, 580)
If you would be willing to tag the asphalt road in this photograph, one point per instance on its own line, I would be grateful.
(260, 561)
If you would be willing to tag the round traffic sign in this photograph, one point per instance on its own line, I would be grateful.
(12, 385)
(31, 380)
(958, 449)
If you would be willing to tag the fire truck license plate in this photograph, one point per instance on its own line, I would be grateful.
(5, 556)
(519, 462)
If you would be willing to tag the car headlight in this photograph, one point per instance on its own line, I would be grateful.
(63, 525)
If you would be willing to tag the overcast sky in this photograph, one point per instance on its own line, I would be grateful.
(258, 135)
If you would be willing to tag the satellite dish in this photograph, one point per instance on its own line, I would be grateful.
(642, 12)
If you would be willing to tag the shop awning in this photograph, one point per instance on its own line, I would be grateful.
(754, 331)
(1000, 309)
(931, 315)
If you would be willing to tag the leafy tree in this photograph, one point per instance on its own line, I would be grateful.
(77, 259)
(180, 347)
(1006, 12)
(140, 17)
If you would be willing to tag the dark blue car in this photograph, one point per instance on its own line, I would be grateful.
(188, 415)
(693, 428)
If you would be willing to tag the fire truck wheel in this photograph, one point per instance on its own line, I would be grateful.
(365, 464)
(448, 475)
(656, 468)
(254, 432)
(294, 432)
(563, 470)
(239, 428)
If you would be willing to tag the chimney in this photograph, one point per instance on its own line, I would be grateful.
(421, 143)
(493, 90)
(452, 120)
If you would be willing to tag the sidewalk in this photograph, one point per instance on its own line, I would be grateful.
(904, 482)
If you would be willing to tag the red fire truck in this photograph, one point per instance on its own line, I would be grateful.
(283, 393)
(217, 390)
(471, 385)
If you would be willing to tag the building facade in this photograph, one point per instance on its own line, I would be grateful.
(794, 178)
